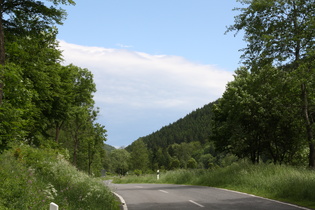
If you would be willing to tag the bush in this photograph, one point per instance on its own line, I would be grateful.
(32, 178)
(192, 163)
(138, 172)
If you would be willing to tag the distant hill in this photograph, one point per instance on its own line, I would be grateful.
(195, 126)
(109, 148)
(184, 144)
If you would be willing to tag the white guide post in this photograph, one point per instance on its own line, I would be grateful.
(53, 206)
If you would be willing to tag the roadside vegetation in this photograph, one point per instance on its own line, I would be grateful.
(285, 183)
(32, 178)
(45, 105)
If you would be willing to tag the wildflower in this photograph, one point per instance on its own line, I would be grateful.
(50, 192)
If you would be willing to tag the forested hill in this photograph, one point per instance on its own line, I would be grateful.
(195, 126)
(108, 148)
(182, 144)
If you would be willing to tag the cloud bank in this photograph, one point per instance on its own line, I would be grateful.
(137, 89)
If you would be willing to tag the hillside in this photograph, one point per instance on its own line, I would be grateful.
(195, 126)
(108, 148)
(182, 144)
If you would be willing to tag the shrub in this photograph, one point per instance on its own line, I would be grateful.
(138, 172)
(32, 178)
(192, 163)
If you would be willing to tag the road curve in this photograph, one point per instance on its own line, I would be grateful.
(166, 196)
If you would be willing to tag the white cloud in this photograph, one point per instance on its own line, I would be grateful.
(147, 81)
(133, 86)
(124, 46)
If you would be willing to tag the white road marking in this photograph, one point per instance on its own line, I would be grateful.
(123, 202)
(163, 191)
(288, 204)
(138, 187)
(196, 203)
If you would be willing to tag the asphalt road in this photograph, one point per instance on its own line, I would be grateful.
(165, 196)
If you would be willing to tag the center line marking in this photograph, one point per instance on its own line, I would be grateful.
(138, 187)
(196, 203)
(163, 191)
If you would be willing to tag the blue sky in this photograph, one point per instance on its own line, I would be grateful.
(153, 61)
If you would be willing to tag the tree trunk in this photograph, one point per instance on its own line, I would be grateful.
(75, 149)
(57, 133)
(2, 54)
(306, 113)
(89, 159)
(309, 131)
(312, 156)
(58, 128)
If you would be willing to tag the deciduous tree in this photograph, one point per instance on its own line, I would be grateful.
(281, 32)
(26, 18)
(139, 156)
(120, 161)
(256, 117)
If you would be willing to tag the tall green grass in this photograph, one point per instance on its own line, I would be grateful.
(285, 183)
(32, 178)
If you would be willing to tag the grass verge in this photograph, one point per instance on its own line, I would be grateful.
(279, 182)
(32, 178)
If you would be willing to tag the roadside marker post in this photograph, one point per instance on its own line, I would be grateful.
(53, 206)
(158, 174)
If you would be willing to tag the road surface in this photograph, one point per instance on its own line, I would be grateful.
(165, 196)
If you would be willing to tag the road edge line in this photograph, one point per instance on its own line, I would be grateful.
(276, 201)
(123, 202)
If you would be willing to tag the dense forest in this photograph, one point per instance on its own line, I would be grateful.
(195, 126)
(42, 102)
(184, 143)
